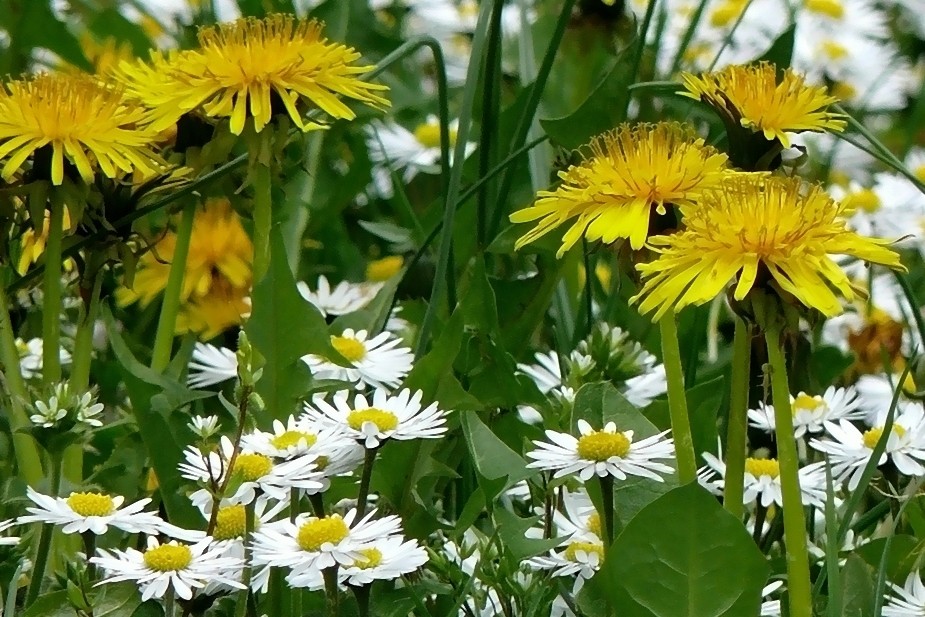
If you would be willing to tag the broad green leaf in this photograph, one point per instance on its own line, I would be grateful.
(498, 466)
(433, 373)
(600, 403)
(703, 403)
(857, 588)
(904, 550)
(31, 24)
(780, 53)
(114, 600)
(513, 533)
(683, 555)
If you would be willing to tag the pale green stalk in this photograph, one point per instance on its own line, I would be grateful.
(44, 548)
(51, 290)
(170, 306)
(798, 580)
(677, 400)
(736, 436)
(263, 218)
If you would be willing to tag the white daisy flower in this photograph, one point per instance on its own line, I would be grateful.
(577, 519)
(376, 362)
(876, 395)
(211, 365)
(770, 608)
(8, 540)
(256, 471)
(762, 481)
(577, 558)
(385, 417)
(810, 413)
(181, 567)
(908, 600)
(30, 357)
(601, 453)
(93, 512)
(344, 298)
(311, 544)
(204, 426)
(83, 408)
(384, 559)
(643, 389)
(849, 449)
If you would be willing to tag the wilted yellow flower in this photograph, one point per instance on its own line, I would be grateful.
(75, 118)
(249, 67)
(630, 172)
(752, 97)
(32, 243)
(753, 230)
(225, 306)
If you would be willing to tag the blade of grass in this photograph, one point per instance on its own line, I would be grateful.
(491, 108)
(688, 35)
(911, 491)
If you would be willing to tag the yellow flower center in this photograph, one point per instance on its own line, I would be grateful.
(428, 135)
(808, 403)
(872, 436)
(834, 50)
(843, 90)
(313, 534)
(230, 523)
(384, 420)
(168, 557)
(919, 172)
(588, 547)
(865, 200)
(601, 446)
(383, 269)
(833, 8)
(293, 438)
(91, 504)
(349, 348)
(371, 558)
(252, 467)
(762, 467)
(594, 524)
(726, 13)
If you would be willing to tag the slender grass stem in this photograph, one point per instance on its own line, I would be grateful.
(677, 400)
(798, 580)
(263, 218)
(170, 306)
(738, 419)
(51, 304)
(45, 535)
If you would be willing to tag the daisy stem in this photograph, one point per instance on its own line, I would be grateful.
(607, 497)
(170, 307)
(362, 596)
(317, 502)
(89, 539)
(294, 509)
(738, 418)
(677, 400)
(27, 455)
(798, 581)
(263, 218)
(51, 305)
(241, 605)
(368, 461)
(44, 548)
(169, 604)
(332, 599)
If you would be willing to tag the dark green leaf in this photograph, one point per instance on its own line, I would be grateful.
(600, 403)
(512, 531)
(858, 588)
(497, 465)
(780, 53)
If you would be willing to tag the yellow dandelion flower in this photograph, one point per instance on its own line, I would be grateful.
(32, 244)
(53, 118)
(107, 54)
(753, 97)
(631, 171)
(256, 67)
(758, 230)
(225, 306)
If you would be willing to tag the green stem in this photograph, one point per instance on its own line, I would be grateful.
(170, 607)
(607, 497)
(294, 509)
(51, 304)
(263, 218)
(331, 593)
(44, 548)
(170, 308)
(27, 455)
(89, 539)
(317, 502)
(241, 602)
(362, 596)
(736, 438)
(362, 496)
(677, 400)
(798, 581)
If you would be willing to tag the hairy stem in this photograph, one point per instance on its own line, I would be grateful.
(170, 307)
(677, 400)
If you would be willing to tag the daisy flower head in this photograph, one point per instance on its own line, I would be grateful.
(211, 365)
(908, 600)
(184, 568)
(624, 184)
(601, 453)
(343, 298)
(580, 558)
(384, 559)
(372, 422)
(753, 225)
(204, 427)
(752, 97)
(83, 125)
(93, 512)
(810, 413)
(762, 481)
(377, 362)
(310, 544)
(62, 407)
(244, 68)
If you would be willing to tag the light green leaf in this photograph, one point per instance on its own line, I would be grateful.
(498, 466)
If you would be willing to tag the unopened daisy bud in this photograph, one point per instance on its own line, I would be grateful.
(247, 372)
(204, 426)
(64, 408)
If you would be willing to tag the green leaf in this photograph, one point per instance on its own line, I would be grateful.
(683, 555)
(904, 550)
(857, 588)
(31, 24)
(497, 465)
(512, 530)
(113, 600)
(600, 403)
(283, 328)
(780, 53)
(433, 373)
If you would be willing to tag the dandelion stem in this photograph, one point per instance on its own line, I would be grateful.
(263, 218)
(27, 454)
(736, 430)
(44, 548)
(170, 307)
(362, 496)
(677, 400)
(798, 581)
(51, 303)
(241, 605)
(607, 497)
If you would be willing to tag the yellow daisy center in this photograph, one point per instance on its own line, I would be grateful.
(808, 403)
(834, 50)
(317, 532)
(832, 8)
(384, 420)
(571, 551)
(762, 467)
(602, 446)
(844, 91)
(252, 467)
(919, 172)
(91, 504)
(865, 200)
(872, 436)
(168, 557)
(383, 269)
(349, 347)
(594, 524)
(428, 135)
(230, 523)
(371, 558)
(289, 439)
